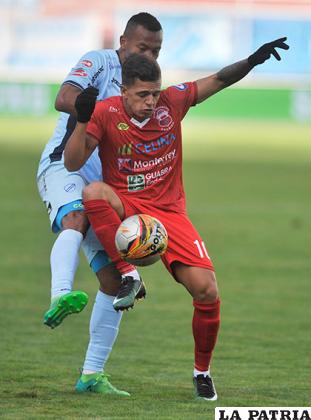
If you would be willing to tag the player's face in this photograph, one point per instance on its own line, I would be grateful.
(141, 98)
(142, 41)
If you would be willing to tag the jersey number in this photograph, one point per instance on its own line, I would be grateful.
(201, 248)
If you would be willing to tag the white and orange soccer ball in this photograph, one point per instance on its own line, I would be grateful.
(141, 239)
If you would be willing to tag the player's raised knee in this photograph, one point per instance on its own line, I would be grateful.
(207, 293)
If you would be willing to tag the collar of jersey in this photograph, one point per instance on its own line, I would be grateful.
(139, 124)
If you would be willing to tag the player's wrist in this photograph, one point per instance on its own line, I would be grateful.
(81, 126)
(82, 119)
(253, 60)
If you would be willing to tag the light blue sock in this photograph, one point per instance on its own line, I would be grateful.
(64, 261)
(104, 328)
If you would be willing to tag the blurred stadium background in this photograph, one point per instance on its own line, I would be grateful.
(42, 39)
(247, 176)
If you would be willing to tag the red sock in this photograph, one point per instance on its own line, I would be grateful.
(105, 222)
(205, 325)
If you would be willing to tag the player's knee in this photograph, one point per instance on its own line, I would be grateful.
(95, 191)
(75, 220)
(207, 292)
(109, 279)
(207, 295)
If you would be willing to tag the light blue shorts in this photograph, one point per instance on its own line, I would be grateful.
(61, 192)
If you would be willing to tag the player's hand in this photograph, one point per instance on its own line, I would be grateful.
(85, 104)
(265, 51)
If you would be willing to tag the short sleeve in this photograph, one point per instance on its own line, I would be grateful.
(182, 97)
(97, 124)
(86, 71)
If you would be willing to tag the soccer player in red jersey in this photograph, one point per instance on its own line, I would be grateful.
(140, 147)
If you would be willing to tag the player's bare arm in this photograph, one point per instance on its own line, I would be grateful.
(231, 74)
(66, 98)
(80, 145)
(79, 148)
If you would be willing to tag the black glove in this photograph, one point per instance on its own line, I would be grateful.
(85, 104)
(264, 52)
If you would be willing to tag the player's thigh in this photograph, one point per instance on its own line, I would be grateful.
(76, 220)
(184, 242)
(61, 192)
(187, 258)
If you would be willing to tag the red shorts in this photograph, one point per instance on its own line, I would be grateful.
(184, 243)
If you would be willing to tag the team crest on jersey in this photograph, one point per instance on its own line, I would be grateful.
(161, 114)
(182, 86)
(87, 63)
(123, 126)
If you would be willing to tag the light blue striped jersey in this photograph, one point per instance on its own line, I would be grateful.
(101, 69)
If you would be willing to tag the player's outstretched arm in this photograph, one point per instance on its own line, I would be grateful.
(80, 145)
(210, 85)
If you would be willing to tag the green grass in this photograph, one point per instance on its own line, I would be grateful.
(248, 188)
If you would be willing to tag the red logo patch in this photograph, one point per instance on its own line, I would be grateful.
(79, 72)
(86, 63)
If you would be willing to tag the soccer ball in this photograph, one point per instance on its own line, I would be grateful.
(141, 239)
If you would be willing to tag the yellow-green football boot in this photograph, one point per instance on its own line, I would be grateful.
(62, 306)
(98, 383)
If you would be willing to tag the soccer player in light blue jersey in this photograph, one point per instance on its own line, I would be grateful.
(61, 191)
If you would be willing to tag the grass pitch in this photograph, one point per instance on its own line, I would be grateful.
(248, 189)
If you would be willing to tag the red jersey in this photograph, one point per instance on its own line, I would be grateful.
(144, 160)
